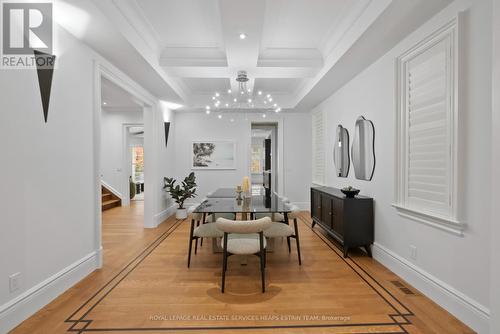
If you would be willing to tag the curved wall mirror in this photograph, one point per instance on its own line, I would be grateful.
(363, 149)
(341, 152)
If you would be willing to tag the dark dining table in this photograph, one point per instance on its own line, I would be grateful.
(248, 207)
(224, 200)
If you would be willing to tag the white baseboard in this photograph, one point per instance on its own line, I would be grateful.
(113, 190)
(306, 206)
(467, 310)
(160, 217)
(26, 304)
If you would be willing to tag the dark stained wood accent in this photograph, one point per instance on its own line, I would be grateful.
(348, 220)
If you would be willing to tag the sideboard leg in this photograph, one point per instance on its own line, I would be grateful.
(313, 223)
(346, 251)
(368, 250)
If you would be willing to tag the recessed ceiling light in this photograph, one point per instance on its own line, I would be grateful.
(259, 92)
(275, 105)
(249, 100)
(229, 91)
(227, 105)
(207, 107)
(235, 100)
(217, 94)
(263, 115)
(207, 112)
(213, 97)
(278, 110)
(104, 103)
(270, 99)
(220, 116)
(243, 35)
(268, 95)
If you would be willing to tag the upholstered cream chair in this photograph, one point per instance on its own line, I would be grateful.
(203, 226)
(281, 229)
(244, 237)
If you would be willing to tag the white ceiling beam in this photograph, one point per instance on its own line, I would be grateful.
(290, 57)
(255, 73)
(242, 16)
(193, 56)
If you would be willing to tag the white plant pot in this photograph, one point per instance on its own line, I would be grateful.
(181, 214)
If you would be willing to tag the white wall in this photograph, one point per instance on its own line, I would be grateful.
(191, 127)
(495, 198)
(47, 193)
(49, 196)
(166, 162)
(113, 171)
(451, 269)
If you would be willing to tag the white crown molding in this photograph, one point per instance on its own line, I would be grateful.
(126, 23)
(134, 14)
(122, 109)
(353, 27)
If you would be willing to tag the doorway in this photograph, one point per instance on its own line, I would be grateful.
(264, 158)
(135, 149)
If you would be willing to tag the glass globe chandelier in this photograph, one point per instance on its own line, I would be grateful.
(244, 98)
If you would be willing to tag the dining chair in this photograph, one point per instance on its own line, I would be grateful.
(203, 226)
(279, 229)
(244, 237)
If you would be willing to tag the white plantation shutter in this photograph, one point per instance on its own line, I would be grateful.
(426, 129)
(429, 130)
(318, 130)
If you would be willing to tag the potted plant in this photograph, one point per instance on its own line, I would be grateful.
(181, 193)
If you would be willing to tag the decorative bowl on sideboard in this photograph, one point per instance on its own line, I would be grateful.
(350, 193)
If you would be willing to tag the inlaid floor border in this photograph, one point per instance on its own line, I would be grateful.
(80, 325)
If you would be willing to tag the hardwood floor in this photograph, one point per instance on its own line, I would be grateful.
(145, 287)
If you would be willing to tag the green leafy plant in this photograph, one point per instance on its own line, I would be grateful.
(181, 193)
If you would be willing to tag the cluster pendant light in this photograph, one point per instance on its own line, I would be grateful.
(243, 99)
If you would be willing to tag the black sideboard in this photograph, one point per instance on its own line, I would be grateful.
(348, 220)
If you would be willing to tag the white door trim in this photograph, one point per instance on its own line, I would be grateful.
(150, 106)
(280, 137)
(126, 158)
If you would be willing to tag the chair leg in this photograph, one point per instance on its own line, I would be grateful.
(196, 245)
(201, 242)
(288, 242)
(297, 240)
(190, 241)
(262, 259)
(224, 264)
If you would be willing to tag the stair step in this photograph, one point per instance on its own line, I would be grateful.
(106, 197)
(110, 204)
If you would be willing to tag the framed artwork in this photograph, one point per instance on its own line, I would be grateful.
(213, 155)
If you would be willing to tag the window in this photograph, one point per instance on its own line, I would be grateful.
(138, 164)
(426, 130)
(318, 149)
(257, 154)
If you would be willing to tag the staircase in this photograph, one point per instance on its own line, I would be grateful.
(109, 200)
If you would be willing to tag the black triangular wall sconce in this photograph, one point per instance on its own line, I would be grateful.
(167, 129)
(45, 70)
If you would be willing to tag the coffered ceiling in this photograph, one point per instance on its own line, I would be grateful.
(286, 42)
(293, 49)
